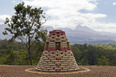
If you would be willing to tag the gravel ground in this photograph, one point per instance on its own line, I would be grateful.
(19, 71)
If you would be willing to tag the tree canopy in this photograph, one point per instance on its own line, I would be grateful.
(16, 54)
(25, 25)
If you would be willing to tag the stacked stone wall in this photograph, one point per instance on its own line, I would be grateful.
(57, 59)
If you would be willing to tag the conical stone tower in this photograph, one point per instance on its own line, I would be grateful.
(57, 55)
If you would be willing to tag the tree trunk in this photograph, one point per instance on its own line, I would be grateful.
(29, 51)
(30, 58)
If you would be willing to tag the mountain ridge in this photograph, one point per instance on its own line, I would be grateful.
(80, 35)
(83, 34)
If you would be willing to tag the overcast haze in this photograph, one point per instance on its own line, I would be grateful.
(99, 15)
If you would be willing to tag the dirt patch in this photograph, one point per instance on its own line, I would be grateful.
(19, 71)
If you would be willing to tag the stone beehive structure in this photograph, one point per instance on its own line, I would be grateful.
(57, 54)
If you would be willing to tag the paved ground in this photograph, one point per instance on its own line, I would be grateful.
(19, 71)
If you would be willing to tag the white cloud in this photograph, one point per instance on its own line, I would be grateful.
(13, 1)
(63, 4)
(114, 3)
(66, 13)
(106, 27)
(3, 17)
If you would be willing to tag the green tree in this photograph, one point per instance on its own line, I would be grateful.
(37, 51)
(91, 55)
(21, 57)
(10, 56)
(103, 61)
(25, 26)
(83, 61)
(77, 53)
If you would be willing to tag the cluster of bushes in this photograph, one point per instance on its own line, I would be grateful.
(101, 54)
(14, 53)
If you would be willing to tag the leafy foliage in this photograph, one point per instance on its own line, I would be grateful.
(25, 25)
(103, 61)
(102, 54)
(15, 53)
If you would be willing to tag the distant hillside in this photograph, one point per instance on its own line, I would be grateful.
(1, 30)
(83, 34)
(80, 35)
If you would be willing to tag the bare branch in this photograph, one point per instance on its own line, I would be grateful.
(23, 42)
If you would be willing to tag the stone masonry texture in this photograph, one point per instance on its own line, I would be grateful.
(57, 55)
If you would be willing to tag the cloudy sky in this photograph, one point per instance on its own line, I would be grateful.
(99, 15)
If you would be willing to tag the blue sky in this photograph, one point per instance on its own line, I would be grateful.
(107, 7)
(99, 15)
